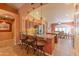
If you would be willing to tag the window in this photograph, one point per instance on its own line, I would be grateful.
(65, 29)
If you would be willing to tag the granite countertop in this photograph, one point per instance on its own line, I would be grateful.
(46, 36)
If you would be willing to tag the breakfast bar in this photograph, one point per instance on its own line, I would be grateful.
(43, 44)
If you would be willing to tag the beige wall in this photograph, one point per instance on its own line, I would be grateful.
(5, 35)
(14, 35)
(23, 12)
(16, 29)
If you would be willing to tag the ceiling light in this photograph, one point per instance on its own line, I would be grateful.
(6, 16)
(67, 15)
(59, 23)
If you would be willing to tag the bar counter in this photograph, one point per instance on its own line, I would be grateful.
(50, 43)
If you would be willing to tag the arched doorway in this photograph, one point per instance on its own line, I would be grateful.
(6, 29)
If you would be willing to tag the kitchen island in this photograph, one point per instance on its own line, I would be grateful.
(49, 44)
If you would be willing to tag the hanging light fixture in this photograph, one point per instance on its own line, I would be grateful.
(32, 3)
(41, 18)
(33, 19)
(33, 14)
(41, 10)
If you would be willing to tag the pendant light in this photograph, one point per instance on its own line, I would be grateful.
(33, 14)
(41, 9)
(41, 18)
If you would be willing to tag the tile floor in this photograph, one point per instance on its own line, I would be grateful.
(64, 47)
(7, 48)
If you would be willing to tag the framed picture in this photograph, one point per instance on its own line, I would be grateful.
(5, 27)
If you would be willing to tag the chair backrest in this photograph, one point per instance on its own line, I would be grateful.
(22, 36)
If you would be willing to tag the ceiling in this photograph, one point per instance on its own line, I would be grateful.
(6, 14)
(53, 12)
(19, 5)
(56, 12)
(15, 5)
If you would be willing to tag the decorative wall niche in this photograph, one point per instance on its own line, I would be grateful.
(5, 26)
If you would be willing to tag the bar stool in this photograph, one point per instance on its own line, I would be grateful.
(22, 40)
(40, 45)
(30, 42)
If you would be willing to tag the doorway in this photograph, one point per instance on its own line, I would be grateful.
(65, 40)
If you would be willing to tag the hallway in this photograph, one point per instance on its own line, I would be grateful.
(64, 48)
